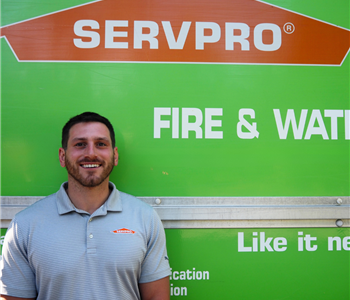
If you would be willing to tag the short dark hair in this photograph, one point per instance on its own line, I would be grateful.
(84, 118)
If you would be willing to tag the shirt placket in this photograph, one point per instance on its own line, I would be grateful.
(90, 236)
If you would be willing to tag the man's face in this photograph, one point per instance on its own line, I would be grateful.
(89, 157)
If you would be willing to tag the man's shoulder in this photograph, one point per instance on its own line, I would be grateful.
(137, 212)
(40, 207)
(136, 208)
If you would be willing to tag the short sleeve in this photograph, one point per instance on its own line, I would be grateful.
(17, 277)
(155, 265)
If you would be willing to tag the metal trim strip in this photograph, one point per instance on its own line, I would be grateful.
(228, 212)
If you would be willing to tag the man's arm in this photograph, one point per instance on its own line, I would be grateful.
(155, 290)
(5, 297)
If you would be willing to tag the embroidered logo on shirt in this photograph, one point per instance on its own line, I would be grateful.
(124, 230)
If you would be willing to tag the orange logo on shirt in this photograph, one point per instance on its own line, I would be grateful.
(124, 230)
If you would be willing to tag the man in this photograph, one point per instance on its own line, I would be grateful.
(89, 240)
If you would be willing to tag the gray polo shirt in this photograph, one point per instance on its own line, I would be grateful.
(53, 250)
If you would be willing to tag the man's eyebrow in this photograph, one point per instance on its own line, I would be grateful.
(102, 139)
(79, 139)
(95, 138)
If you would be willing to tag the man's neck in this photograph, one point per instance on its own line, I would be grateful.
(88, 199)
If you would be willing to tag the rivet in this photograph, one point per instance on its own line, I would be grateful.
(339, 201)
(158, 201)
(339, 223)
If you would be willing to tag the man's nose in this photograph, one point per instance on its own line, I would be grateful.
(90, 150)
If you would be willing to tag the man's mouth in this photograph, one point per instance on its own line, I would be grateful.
(90, 165)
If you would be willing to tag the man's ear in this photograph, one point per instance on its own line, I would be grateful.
(62, 156)
(116, 156)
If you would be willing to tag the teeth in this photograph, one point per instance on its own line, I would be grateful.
(91, 166)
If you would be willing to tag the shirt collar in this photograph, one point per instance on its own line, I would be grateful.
(64, 205)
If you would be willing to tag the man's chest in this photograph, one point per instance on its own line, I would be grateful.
(79, 244)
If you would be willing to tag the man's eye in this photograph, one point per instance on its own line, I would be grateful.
(79, 144)
(101, 144)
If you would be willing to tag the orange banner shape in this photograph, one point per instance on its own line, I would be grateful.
(222, 31)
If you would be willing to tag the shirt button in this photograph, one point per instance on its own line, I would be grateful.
(91, 236)
(90, 220)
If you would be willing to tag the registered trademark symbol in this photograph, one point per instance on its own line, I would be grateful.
(288, 28)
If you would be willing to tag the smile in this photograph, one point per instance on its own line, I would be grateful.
(91, 166)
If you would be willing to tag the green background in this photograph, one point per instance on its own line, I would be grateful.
(38, 98)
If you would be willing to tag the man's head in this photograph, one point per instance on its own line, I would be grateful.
(85, 118)
(88, 149)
